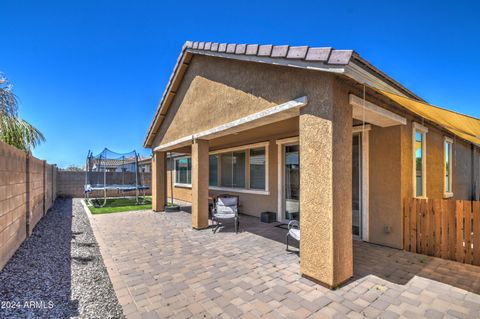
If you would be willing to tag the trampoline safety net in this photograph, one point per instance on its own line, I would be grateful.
(109, 172)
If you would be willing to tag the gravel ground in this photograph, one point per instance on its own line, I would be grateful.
(58, 272)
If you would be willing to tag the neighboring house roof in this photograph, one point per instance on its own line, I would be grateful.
(145, 160)
(346, 62)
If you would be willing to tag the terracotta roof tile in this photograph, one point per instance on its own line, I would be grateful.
(265, 50)
(252, 49)
(231, 48)
(340, 56)
(306, 53)
(222, 47)
(279, 51)
(297, 52)
(240, 49)
(318, 54)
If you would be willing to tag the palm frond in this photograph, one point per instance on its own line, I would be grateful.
(19, 133)
(14, 130)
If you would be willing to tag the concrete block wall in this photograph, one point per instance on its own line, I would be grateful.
(72, 183)
(24, 181)
(36, 192)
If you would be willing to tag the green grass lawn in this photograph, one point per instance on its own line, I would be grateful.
(115, 205)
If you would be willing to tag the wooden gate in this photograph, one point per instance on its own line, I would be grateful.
(448, 229)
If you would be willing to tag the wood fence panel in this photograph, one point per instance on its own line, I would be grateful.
(459, 254)
(406, 223)
(430, 227)
(476, 232)
(413, 224)
(437, 209)
(422, 204)
(452, 233)
(448, 229)
(467, 209)
(444, 230)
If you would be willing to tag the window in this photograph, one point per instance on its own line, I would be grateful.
(213, 170)
(243, 168)
(419, 160)
(232, 169)
(183, 171)
(448, 167)
(257, 168)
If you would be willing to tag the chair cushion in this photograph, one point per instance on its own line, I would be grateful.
(226, 209)
(227, 201)
(295, 233)
(224, 216)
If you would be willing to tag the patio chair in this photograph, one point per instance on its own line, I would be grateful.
(225, 207)
(293, 231)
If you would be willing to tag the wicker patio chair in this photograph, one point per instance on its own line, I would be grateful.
(293, 231)
(225, 207)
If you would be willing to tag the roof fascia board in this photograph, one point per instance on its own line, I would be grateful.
(311, 65)
(160, 112)
(362, 76)
(384, 117)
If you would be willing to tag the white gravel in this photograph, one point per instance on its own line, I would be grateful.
(58, 272)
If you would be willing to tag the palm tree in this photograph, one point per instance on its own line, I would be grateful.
(14, 130)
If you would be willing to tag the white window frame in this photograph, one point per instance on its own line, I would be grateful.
(247, 149)
(423, 130)
(175, 160)
(246, 190)
(449, 194)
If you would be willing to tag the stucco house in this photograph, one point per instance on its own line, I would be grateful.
(314, 134)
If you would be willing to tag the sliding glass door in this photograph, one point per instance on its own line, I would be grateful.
(291, 182)
(357, 186)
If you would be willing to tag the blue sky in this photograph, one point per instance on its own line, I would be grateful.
(89, 74)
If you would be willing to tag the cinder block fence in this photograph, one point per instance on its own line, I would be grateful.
(27, 191)
(72, 183)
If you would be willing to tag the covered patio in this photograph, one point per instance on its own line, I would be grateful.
(283, 138)
(160, 267)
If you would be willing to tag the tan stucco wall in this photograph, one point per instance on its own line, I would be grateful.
(385, 186)
(325, 185)
(435, 163)
(159, 192)
(216, 91)
(462, 171)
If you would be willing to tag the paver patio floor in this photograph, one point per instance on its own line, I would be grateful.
(162, 268)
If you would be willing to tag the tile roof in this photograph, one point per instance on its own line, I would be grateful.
(312, 54)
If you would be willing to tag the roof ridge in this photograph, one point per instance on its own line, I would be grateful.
(327, 55)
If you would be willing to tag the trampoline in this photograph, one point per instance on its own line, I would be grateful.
(111, 174)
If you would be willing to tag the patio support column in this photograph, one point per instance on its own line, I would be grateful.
(159, 181)
(325, 133)
(200, 184)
